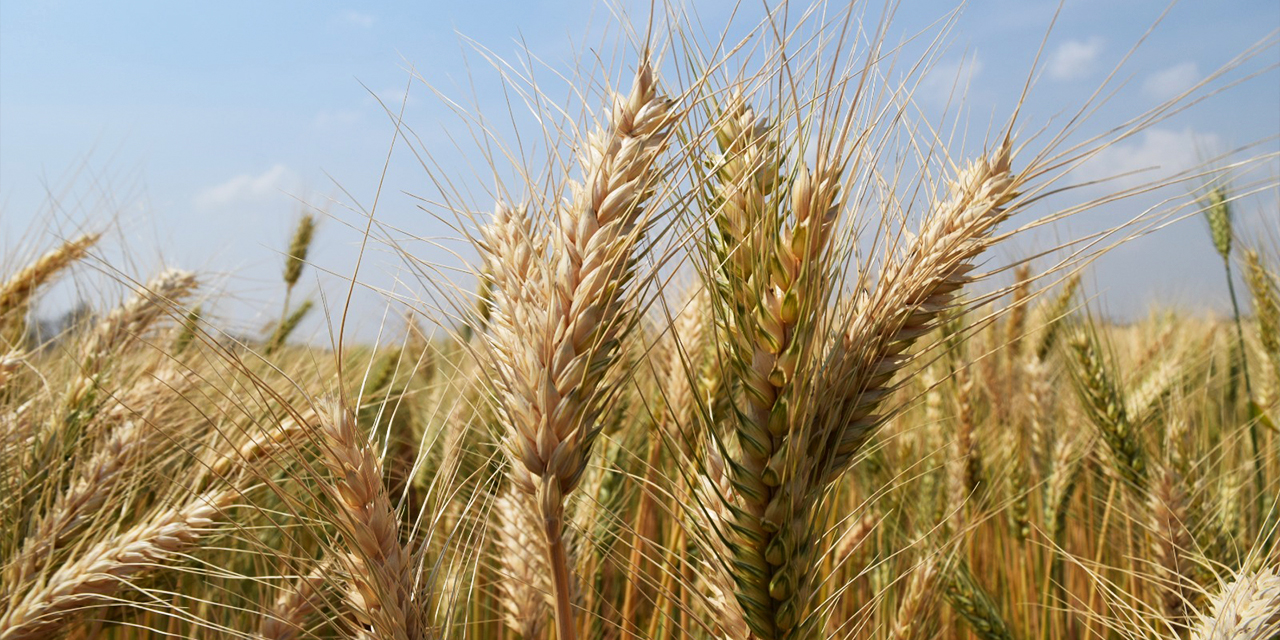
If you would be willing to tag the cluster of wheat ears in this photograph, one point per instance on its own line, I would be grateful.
(722, 376)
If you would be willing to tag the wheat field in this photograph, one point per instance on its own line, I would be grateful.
(740, 359)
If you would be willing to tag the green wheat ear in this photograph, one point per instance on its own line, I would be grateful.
(1218, 213)
(298, 247)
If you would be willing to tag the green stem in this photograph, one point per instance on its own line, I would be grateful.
(1258, 471)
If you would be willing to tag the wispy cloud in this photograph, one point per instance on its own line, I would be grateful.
(1075, 59)
(1169, 82)
(357, 19)
(246, 188)
(337, 118)
(392, 97)
(949, 80)
(1155, 155)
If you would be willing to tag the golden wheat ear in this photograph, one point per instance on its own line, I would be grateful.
(557, 329)
(17, 291)
(381, 590)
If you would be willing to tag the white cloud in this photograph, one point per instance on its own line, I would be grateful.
(1075, 59)
(1167, 83)
(357, 19)
(336, 119)
(949, 80)
(392, 98)
(1155, 154)
(246, 188)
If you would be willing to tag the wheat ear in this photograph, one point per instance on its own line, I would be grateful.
(287, 616)
(917, 285)
(122, 325)
(1246, 609)
(16, 292)
(1266, 306)
(1105, 404)
(96, 575)
(772, 283)
(974, 604)
(104, 569)
(1171, 541)
(553, 358)
(526, 588)
(98, 480)
(381, 591)
(916, 616)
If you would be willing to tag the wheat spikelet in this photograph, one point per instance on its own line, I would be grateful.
(10, 363)
(1246, 609)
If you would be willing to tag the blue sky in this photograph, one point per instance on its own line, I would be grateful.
(190, 128)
